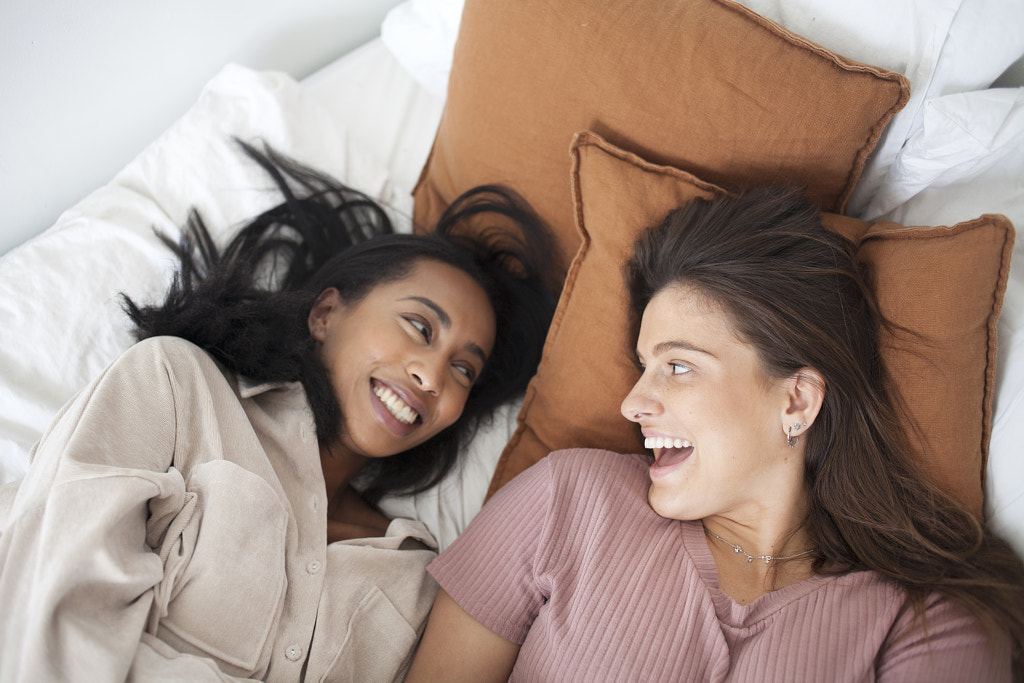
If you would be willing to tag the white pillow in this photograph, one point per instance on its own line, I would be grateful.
(421, 35)
(961, 137)
(985, 38)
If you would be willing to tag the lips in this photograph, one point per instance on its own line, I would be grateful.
(399, 411)
(670, 452)
(394, 403)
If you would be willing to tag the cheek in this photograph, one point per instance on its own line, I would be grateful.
(451, 409)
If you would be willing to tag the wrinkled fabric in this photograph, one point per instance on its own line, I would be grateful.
(173, 524)
(570, 561)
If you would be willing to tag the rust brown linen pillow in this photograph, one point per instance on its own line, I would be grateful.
(944, 284)
(703, 85)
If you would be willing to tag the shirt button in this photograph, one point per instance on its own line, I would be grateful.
(302, 433)
(293, 652)
(313, 567)
(316, 504)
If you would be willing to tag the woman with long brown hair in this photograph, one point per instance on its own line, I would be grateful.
(782, 531)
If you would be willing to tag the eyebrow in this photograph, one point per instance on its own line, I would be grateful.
(674, 344)
(441, 314)
(446, 322)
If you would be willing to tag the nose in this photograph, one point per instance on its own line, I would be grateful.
(426, 374)
(639, 402)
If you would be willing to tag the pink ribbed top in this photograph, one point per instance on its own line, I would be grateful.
(570, 561)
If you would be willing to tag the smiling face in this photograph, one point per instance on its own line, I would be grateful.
(710, 414)
(402, 359)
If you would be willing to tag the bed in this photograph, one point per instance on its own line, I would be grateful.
(948, 151)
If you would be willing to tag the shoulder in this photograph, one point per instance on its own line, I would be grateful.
(574, 480)
(601, 462)
(939, 640)
(162, 355)
(155, 362)
(945, 642)
(583, 471)
(601, 486)
(595, 469)
(170, 367)
(166, 350)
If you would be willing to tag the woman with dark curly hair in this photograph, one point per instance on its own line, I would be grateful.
(206, 508)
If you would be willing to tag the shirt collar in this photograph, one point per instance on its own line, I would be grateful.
(247, 388)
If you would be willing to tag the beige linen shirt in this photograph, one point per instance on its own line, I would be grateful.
(173, 525)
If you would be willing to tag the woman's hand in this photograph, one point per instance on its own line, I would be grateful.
(456, 647)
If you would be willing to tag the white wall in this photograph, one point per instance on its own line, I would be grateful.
(85, 86)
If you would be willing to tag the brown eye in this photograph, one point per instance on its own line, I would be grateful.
(421, 326)
(469, 372)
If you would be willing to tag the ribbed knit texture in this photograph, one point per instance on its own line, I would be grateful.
(569, 560)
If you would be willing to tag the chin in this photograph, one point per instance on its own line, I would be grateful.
(666, 504)
(658, 503)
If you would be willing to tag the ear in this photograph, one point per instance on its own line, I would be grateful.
(805, 392)
(326, 303)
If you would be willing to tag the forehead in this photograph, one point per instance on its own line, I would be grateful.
(452, 293)
(428, 273)
(683, 307)
(428, 277)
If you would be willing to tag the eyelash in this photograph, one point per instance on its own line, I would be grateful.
(680, 366)
(686, 369)
(421, 326)
(674, 365)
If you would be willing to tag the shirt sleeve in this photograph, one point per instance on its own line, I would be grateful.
(952, 645)
(77, 572)
(495, 569)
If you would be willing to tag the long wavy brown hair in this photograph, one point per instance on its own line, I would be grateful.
(795, 292)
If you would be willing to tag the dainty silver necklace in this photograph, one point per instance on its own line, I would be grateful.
(750, 558)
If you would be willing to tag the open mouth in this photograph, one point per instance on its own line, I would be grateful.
(668, 451)
(401, 411)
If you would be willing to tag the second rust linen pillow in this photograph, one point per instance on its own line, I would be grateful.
(944, 284)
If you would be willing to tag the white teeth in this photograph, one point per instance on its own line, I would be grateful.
(394, 404)
(653, 442)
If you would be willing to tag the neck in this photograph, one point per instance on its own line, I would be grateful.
(745, 579)
(766, 558)
(769, 529)
(769, 519)
(340, 467)
(348, 515)
(776, 540)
